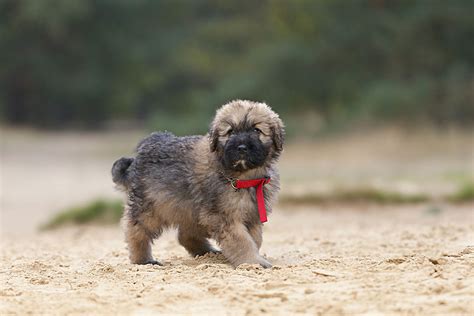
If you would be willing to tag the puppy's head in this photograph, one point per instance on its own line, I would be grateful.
(246, 135)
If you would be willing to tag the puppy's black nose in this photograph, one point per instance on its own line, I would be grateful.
(242, 148)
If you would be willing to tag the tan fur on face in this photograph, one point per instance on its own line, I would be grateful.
(259, 115)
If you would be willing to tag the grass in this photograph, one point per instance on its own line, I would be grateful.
(99, 211)
(465, 193)
(110, 211)
(354, 196)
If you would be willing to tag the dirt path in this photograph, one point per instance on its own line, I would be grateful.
(336, 260)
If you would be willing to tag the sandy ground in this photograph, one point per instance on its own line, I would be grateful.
(327, 260)
(334, 259)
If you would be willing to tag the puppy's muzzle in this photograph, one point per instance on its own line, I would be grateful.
(242, 148)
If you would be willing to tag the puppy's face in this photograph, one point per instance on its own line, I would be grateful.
(246, 135)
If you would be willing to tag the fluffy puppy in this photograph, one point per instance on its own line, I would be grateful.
(189, 183)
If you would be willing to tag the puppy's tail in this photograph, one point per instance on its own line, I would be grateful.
(120, 171)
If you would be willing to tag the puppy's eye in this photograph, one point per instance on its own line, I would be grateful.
(229, 132)
(258, 130)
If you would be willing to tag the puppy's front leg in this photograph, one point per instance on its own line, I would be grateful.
(238, 246)
(256, 232)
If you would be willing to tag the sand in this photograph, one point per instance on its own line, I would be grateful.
(328, 259)
(336, 259)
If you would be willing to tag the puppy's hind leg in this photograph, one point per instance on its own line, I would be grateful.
(195, 241)
(139, 243)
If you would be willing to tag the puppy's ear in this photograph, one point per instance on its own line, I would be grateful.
(278, 135)
(213, 138)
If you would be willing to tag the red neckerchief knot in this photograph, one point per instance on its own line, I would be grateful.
(259, 183)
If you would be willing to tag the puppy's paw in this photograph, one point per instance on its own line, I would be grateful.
(215, 251)
(153, 262)
(259, 260)
(264, 263)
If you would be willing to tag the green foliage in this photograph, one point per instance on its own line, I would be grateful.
(366, 195)
(83, 62)
(99, 211)
(465, 193)
(110, 211)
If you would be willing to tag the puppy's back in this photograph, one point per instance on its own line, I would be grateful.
(165, 145)
(165, 162)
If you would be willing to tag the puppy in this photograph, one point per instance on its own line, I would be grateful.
(217, 186)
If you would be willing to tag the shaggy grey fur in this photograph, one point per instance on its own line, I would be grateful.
(183, 182)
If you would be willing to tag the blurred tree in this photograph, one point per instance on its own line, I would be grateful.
(83, 62)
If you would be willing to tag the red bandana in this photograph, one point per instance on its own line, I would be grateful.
(259, 183)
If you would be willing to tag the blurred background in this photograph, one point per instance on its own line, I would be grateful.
(377, 95)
